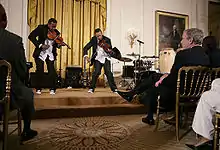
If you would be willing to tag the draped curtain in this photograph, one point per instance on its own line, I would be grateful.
(76, 20)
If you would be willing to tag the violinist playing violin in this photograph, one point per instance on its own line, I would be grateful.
(44, 38)
(101, 56)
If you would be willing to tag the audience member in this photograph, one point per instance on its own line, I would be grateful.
(210, 46)
(165, 85)
(208, 105)
(12, 50)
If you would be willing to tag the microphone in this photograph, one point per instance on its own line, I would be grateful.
(140, 41)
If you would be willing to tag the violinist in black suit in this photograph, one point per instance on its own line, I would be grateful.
(46, 50)
(100, 58)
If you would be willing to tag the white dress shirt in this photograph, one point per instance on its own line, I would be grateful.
(47, 52)
(101, 55)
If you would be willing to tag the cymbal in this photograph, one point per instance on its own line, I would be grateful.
(144, 57)
(133, 54)
(125, 59)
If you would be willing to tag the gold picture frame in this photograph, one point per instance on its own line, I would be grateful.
(165, 24)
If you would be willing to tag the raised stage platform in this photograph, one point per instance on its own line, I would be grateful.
(78, 102)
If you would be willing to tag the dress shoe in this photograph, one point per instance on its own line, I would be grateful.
(126, 95)
(204, 146)
(52, 92)
(148, 121)
(115, 91)
(91, 91)
(28, 135)
(38, 92)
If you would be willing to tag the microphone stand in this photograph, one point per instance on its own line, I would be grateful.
(139, 60)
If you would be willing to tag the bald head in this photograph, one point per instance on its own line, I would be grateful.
(3, 17)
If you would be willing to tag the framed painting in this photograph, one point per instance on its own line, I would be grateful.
(169, 30)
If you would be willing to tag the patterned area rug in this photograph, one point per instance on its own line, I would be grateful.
(85, 133)
(103, 133)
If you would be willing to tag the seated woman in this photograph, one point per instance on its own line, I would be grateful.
(210, 45)
(208, 105)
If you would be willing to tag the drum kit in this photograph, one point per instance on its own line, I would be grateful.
(142, 67)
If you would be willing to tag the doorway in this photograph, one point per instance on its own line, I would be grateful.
(214, 21)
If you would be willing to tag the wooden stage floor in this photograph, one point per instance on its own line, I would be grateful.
(78, 102)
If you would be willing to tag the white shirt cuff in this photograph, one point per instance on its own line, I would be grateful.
(40, 45)
(85, 56)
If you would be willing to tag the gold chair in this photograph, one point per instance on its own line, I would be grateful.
(216, 133)
(215, 73)
(192, 81)
(5, 102)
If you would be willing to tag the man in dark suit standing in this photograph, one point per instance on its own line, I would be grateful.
(12, 50)
(165, 85)
(46, 50)
(100, 59)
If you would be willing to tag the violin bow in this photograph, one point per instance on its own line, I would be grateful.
(67, 45)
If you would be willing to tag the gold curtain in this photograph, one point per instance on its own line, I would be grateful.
(76, 20)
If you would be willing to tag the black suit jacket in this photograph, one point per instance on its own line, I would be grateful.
(214, 56)
(94, 43)
(38, 36)
(189, 57)
(12, 50)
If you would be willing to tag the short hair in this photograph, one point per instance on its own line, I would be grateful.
(195, 34)
(52, 20)
(3, 16)
(98, 30)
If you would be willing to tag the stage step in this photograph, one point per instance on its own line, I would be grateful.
(79, 103)
(88, 111)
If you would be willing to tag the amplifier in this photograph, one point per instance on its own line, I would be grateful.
(42, 81)
(73, 77)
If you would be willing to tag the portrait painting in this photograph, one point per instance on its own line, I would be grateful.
(169, 30)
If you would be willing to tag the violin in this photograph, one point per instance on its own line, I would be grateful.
(105, 46)
(52, 35)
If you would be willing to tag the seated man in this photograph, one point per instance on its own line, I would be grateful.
(12, 50)
(165, 85)
(208, 105)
